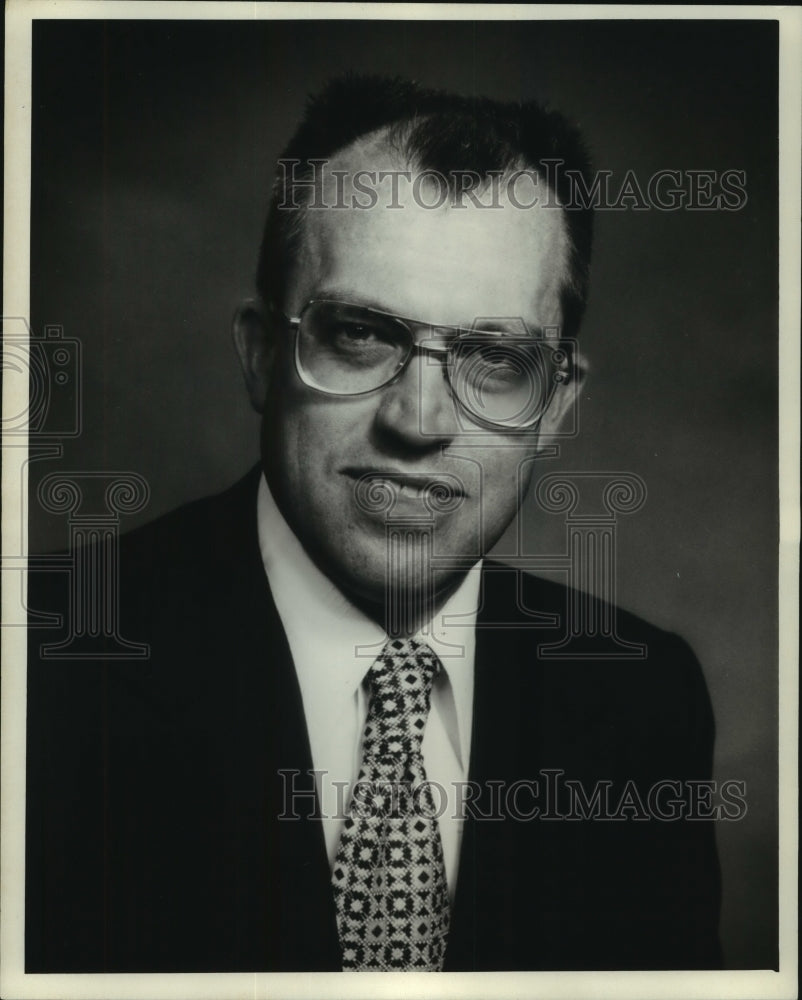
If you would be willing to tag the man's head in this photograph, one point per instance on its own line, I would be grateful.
(436, 209)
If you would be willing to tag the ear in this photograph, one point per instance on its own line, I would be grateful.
(253, 338)
(565, 397)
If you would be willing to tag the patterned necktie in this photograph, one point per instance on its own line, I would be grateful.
(389, 877)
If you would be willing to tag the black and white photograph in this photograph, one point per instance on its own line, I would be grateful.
(400, 500)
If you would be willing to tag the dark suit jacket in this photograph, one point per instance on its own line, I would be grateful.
(154, 786)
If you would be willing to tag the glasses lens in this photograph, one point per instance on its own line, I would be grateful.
(348, 349)
(500, 379)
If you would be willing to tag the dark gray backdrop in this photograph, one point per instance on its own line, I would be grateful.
(153, 147)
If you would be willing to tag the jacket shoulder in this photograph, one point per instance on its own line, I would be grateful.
(607, 676)
(198, 534)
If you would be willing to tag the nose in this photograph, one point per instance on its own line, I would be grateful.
(418, 411)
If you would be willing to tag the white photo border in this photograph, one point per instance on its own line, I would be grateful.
(20, 14)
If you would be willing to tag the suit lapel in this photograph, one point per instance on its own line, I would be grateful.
(484, 925)
(282, 865)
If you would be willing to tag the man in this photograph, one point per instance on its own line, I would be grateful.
(345, 748)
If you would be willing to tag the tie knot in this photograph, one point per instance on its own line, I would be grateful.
(400, 688)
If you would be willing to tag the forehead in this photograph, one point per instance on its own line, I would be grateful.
(448, 264)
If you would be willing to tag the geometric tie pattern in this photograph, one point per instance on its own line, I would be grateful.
(388, 876)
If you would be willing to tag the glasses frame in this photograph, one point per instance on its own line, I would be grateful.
(414, 328)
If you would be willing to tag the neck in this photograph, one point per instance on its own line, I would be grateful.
(405, 610)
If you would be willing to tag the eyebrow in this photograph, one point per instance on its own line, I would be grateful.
(353, 298)
(482, 324)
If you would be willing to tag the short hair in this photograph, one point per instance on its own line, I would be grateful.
(437, 131)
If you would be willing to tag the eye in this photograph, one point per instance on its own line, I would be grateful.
(367, 341)
(352, 337)
(355, 333)
(501, 363)
(491, 359)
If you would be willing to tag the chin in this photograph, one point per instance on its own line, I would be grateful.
(365, 577)
(364, 572)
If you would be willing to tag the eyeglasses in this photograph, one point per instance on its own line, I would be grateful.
(500, 377)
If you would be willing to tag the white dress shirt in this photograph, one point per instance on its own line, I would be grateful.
(333, 645)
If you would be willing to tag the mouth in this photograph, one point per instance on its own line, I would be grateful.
(440, 488)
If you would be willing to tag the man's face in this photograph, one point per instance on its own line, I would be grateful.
(446, 266)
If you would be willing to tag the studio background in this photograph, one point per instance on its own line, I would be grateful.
(153, 152)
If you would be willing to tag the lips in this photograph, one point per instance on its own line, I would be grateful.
(388, 493)
(413, 485)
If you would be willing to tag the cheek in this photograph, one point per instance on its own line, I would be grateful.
(506, 473)
(309, 438)
(300, 454)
